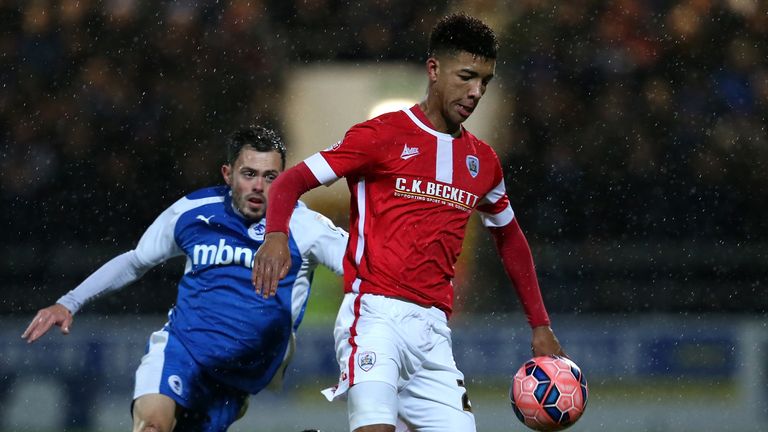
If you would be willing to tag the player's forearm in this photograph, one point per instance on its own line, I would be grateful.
(518, 263)
(284, 193)
(113, 275)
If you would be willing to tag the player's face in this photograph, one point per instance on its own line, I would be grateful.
(249, 178)
(459, 82)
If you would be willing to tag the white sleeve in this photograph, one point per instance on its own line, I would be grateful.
(115, 274)
(494, 208)
(321, 169)
(155, 246)
(319, 238)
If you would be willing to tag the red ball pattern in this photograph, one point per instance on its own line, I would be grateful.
(549, 393)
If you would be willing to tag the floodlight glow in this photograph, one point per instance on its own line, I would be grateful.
(389, 105)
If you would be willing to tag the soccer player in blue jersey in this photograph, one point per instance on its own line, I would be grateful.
(222, 340)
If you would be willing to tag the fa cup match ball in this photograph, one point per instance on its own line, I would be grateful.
(549, 393)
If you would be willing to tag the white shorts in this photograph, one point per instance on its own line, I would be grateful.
(385, 340)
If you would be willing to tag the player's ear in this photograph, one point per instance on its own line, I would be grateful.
(226, 172)
(433, 66)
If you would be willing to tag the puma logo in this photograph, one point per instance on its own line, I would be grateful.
(207, 220)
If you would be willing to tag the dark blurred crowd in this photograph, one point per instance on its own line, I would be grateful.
(120, 106)
(642, 118)
(629, 121)
(639, 151)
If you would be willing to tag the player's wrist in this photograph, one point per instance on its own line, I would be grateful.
(66, 307)
(542, 323)
(276, 235)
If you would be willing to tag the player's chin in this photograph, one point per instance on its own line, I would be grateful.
(254, 213)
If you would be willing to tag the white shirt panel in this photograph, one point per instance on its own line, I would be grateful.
(319, 242)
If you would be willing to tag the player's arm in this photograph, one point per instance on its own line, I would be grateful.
(348, 157)
(518, 263)
(115, 274)
(156, 245)
(273, 259)
(497, 215)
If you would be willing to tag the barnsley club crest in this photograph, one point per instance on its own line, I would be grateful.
(366, 360)
(473, 165)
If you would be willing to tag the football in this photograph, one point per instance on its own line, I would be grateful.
(549, 393)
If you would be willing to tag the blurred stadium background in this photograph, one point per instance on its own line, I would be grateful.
(633, 135)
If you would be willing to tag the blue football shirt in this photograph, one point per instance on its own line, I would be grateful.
(240, 337)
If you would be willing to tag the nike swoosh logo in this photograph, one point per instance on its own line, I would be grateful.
(408, 156)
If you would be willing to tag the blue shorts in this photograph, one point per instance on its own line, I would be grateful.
(168, 369)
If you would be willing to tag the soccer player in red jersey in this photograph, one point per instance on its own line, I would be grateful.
(414, 176)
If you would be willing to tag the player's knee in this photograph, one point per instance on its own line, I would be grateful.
(153, 425)
(243, 409)
(376, 428)
(154, 413)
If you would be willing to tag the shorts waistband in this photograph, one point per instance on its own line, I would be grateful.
(432, 311)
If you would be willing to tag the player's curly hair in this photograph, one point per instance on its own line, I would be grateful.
(259, 137)
(461, 32)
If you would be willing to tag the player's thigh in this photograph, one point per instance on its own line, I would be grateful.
(154, 412)
(436, 399)
(368, 347)
(444, 409)
(372, 407)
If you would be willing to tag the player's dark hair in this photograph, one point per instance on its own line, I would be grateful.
(260, 138)
(461, 32)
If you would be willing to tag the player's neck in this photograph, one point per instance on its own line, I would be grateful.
(438, 121)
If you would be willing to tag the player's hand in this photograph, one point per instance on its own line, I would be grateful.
(270, 264)
(45, 319)
(544, 342)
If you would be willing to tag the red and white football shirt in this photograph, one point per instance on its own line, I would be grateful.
(412, 192)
